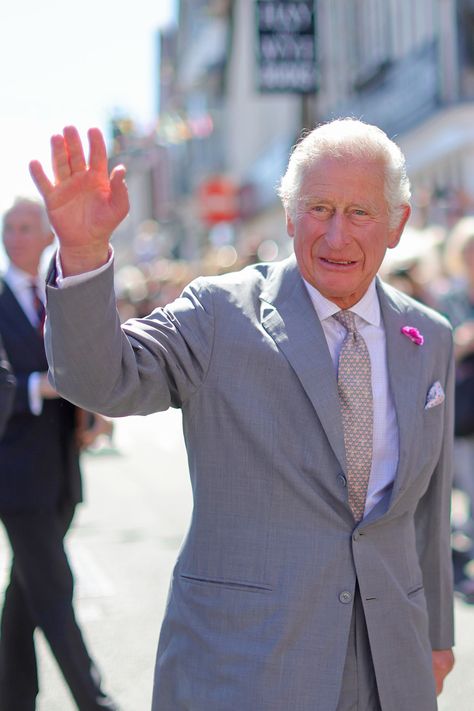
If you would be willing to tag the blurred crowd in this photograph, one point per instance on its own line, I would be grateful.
(149, 283)
(435, 265)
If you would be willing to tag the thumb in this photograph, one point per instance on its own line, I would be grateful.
(118, 191)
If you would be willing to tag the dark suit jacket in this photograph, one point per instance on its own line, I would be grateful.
(39, 462)
(7, 388)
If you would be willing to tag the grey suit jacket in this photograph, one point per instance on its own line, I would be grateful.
(261, 598)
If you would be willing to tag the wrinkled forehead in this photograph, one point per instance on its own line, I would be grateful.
(342, 177)
(343, 163)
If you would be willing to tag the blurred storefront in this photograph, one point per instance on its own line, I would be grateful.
(407, 67)
(207, 172)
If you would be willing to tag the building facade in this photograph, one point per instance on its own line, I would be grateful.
(221, 143)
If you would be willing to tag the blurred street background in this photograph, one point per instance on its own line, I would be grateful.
(122, 549)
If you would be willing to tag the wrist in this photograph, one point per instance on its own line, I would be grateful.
(80, 260)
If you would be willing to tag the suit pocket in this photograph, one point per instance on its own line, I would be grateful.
(415, 591)
(432, 433)
(228, 584)
(417, 610)
(439, 407)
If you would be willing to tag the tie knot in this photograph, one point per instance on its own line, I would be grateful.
(347, 319)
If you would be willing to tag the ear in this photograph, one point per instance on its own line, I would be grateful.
(396, 232)
(290, 227)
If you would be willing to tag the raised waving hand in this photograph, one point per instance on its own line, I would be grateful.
(84, 204)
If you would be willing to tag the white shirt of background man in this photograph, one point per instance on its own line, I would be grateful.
(20, 284)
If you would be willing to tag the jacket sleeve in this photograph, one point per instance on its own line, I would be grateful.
(142, 366)
(433, 529)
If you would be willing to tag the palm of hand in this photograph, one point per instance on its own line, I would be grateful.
(82, 210)
(84, 205)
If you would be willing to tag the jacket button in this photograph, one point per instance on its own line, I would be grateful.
(345, 597)
(342, 479)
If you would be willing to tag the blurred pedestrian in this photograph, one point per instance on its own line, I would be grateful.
(317, 406)
(40, 485)
(458, 305)
(94, 431)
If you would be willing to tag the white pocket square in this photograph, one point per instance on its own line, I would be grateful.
(435, 395)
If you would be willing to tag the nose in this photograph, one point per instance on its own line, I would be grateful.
(336, 235)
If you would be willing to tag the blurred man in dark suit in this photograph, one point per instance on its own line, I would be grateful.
(40, 485)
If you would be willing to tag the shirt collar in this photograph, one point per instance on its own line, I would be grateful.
(368, 307)
(18, 279)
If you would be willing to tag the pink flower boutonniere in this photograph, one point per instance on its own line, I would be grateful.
(413, 334)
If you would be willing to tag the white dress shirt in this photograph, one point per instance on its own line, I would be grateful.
(20, 283)
(62, 281)
(369, 323)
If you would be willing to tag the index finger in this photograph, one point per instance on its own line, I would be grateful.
(40, 179)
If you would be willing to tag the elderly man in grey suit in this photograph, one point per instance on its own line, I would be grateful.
(317, 414)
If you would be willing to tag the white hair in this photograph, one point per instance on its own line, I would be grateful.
(353, 139)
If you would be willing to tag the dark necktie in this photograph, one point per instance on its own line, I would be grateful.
(354, 382)
(39, 308)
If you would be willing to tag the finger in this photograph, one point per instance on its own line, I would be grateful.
(77, 161)
(60, 159)
(40, 179)
(97, 151)
(118, 191)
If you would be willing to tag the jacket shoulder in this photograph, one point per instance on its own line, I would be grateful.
(250, 279)
(415, 309)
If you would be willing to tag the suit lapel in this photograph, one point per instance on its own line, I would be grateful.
(289, 318)
(13, 314)
(404, 365)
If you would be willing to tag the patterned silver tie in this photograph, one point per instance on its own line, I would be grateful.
(355, 393)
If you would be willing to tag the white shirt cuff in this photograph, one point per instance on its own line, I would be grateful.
(34, 398)
(62, 281)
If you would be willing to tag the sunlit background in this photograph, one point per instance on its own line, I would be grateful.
(202, 101)
(72, 62)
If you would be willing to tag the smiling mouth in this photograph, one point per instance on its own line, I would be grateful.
(342, 262)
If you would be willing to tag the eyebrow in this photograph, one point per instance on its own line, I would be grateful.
(314, 199)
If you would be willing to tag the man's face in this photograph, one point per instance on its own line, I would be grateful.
(341, 227)
(25, 237)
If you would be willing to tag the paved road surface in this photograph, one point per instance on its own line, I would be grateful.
(123, 546)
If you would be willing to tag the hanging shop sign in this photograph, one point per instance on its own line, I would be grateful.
(286, 47)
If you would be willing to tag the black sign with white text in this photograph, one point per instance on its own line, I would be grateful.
(286, 48)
